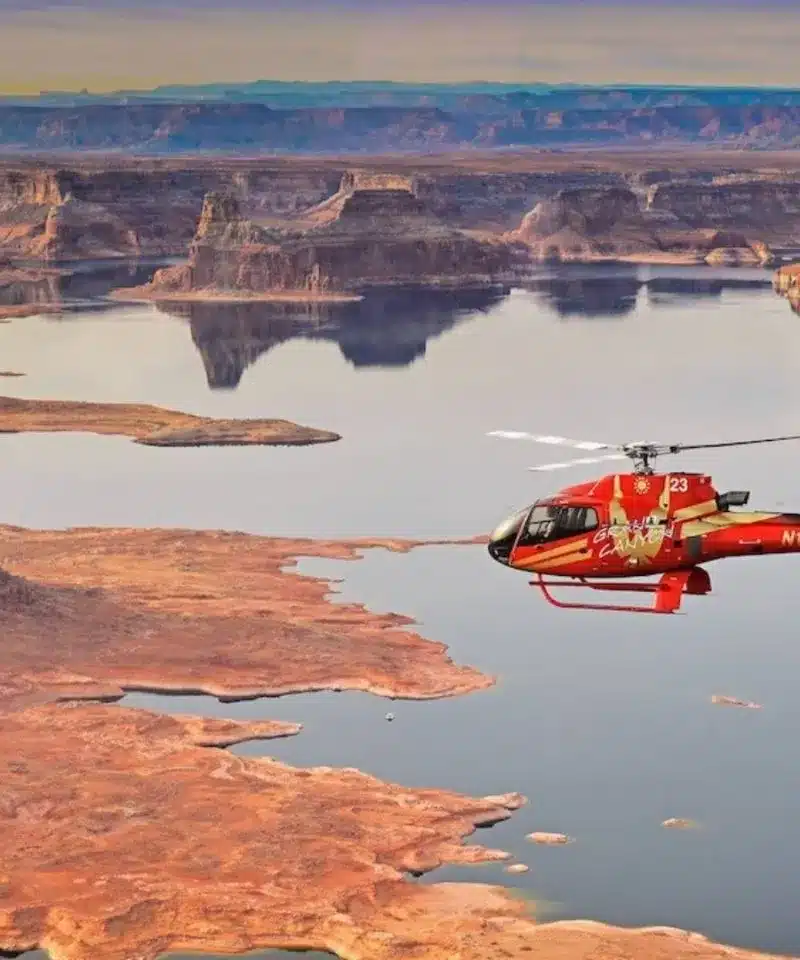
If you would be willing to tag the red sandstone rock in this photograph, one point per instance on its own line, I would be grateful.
(368, 237)
(125, 204)
(147, 608)
(124, 836)
(153, 426)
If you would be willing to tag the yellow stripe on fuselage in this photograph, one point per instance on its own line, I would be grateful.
(696, 510)
(563, 561)
(557, 551)
(723, 521)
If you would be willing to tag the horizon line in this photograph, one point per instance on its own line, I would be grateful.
(563, 84)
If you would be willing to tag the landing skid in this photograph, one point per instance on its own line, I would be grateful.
(668, 591)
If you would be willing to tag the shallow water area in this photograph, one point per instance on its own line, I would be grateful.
(603, 721)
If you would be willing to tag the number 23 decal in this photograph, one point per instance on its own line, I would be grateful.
(678, 484)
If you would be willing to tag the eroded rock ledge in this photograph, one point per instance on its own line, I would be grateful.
(92, 612)
(153, 426)
(362, 237)
(122, 838)
(125, 837)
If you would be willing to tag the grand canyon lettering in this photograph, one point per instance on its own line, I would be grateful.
(635, 536)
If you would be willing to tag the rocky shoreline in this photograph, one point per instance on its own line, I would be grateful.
(151, 426)
(129, 833)
(147, 294)
(378, 231)
(146, 840)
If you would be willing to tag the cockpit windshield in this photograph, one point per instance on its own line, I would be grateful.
(549, 521)
(541, 523)
(510, 525)
(505, 534)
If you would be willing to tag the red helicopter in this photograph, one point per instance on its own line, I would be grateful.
(639, 524)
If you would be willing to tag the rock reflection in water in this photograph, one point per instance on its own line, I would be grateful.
(663, 291)
(388, 328)
(592, 296)
(596, 293)
(79, 287)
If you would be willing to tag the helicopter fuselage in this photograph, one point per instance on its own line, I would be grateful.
(637, 525)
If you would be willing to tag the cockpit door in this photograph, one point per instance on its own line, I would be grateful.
(549, 522)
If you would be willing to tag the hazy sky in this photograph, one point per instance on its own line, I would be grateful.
(111, 44)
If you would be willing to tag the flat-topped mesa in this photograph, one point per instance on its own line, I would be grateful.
(366, 202)
(585, 223)
(745, 203)
(362, 237)
(377, 193)
(361, 179)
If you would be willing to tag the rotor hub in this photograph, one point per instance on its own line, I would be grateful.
(643, 457)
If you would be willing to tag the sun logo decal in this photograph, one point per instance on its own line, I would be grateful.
(641, 485)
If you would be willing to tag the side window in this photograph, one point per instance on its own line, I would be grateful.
(551, 522)
(581, 519)
(539, 527)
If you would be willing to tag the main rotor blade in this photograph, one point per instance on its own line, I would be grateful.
(555, 441)
(579, 461)
(677, 447)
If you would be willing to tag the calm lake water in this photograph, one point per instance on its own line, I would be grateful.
(604, 721)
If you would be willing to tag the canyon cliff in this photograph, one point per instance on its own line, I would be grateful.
(716, 225)
(313, 118)
(40, 218)
(381, 234)
(88, 207)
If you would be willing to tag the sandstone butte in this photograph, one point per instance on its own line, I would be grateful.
(370, 233)
(125, 834)
(378, 230)
(584, 224)
(149, 425)
(89, 206)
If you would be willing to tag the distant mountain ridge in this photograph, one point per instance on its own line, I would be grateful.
(383, 117)
(361, 93)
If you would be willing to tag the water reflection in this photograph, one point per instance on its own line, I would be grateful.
(613, 290)
(603, 721)
(391, 328)
(613, 296)
(81, 287)
(388, 328)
